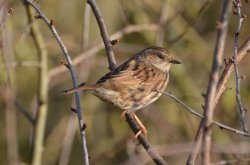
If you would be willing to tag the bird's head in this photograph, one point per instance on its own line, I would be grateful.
(159, 57)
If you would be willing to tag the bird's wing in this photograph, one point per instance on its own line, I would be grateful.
(130, 73)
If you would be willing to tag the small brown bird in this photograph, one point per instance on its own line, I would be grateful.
(136, 83)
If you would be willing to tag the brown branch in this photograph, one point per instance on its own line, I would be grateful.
(205, 124)
(143, 141)
(227, 72)
(213, 81)
(129, 118)
(236, 41)
(72, 72)
(104, 33)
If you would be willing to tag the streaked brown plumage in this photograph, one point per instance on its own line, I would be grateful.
(137, 82)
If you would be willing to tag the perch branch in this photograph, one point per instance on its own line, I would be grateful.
(129, 118)
(144, 142)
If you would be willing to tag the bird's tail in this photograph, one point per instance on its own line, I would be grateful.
(80, 88)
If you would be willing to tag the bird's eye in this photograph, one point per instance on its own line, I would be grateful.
(160, 56)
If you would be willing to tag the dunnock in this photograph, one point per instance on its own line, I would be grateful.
(136, 83)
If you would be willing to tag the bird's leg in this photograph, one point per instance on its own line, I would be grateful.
(123, 113)
(143, 130)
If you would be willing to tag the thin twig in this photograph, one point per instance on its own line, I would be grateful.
(72, 72)
(104, 33)
(236, 42)
(205, 124)
(192, 111)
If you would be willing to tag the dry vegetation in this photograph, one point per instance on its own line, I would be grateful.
(32, 76)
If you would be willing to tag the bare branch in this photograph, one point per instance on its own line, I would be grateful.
(227, 72)
(40, 121)
(205, 124)
(72, 72)
(104, 33)
(111, 58)
(213, 81)
(144, 142)
(238, 79)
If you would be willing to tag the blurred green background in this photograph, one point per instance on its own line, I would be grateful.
(171, 129)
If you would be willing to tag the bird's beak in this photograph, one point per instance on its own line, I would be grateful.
(173, 61)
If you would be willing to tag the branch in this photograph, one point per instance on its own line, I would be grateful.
(162, 23)
(227, 72)
(72, 72)
(144, 142)
(40, 121)
(213, 81)
(192, 111)
(205, 124)
(104, 33)
(131, 121)
(237, 3)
